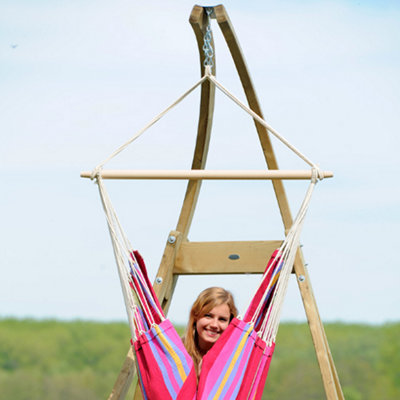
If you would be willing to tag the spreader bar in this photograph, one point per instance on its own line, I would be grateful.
(196, 174)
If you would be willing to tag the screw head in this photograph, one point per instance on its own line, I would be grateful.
(302, 278)
(158, 280)
(171, 239)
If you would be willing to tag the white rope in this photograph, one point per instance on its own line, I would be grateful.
(286, 253)
(129, 300)
(285, 256)
(151, 123)
(123, 252)
(212, 79)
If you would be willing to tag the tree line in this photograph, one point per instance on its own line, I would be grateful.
(54, 360)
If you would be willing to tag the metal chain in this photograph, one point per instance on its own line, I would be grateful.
(207, 48)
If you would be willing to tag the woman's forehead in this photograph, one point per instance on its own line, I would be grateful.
(217, 308)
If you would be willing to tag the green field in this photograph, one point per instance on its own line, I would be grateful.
(50, 360)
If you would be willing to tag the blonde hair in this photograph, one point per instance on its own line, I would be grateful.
(205, 302)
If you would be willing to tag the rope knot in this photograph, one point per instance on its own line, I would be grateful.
(316, 174)
(208, 70)
(95, 173)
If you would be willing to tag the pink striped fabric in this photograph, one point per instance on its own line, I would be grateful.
(266, 290)
(166, 370)
(236, 367)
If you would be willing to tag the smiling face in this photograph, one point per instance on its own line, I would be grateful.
(211, 325)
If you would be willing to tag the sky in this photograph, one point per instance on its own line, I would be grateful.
(79, 78)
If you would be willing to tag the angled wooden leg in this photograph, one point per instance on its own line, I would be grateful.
(125, 377)
(327, 367)
(328, 371)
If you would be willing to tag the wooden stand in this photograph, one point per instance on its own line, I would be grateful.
(184, 257)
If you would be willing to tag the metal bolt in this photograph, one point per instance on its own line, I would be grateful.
(171, 239)
(158, 279)
(302, 278)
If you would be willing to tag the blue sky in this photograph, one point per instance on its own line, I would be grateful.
(78, 78)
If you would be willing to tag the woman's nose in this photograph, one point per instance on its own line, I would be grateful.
(214, 323)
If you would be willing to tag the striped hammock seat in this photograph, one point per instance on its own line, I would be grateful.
(236, 367)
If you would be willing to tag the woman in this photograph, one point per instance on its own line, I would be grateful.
(210, 315)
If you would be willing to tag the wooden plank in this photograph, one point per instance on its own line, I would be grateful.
(196, 174)
(251, 257)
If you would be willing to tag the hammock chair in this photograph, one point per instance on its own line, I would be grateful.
(236, 367)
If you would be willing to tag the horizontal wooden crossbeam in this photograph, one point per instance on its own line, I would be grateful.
(204, 258)
(196, 174)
